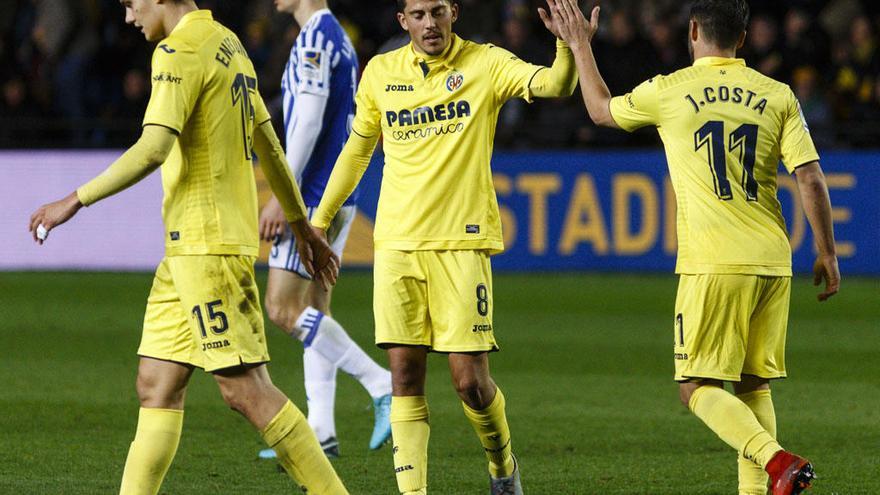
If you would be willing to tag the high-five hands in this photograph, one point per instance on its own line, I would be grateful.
(568, 23)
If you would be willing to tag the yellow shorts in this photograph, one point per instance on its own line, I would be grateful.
(438, 299)
(731, 325)
(205, 311)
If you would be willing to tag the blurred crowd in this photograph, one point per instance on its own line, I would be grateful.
(73, 74)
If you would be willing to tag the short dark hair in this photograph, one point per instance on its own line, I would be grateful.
(401, 4)
(721, 21)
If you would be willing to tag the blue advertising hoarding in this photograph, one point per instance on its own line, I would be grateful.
(615, 211)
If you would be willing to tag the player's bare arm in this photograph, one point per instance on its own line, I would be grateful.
(575, 30)
(317, 257)
(817, 206)
(147, 154)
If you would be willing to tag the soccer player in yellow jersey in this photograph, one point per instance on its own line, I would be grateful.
(435, 102)
(725, 128)
(203, 124)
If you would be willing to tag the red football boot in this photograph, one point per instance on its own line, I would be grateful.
(789, 474)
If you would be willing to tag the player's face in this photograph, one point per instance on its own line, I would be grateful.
(429, 24)
(146, 16)
(287, 6)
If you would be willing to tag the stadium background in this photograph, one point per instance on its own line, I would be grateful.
(576, 200)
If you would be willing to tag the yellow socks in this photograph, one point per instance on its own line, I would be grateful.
(752, 478)
(734, 423)
(300, 454)
(491, 426)
(410, 431)
(151, 452)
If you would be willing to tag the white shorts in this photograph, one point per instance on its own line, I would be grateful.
(284, 256)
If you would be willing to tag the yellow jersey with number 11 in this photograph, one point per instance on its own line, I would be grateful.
(725, 128)
(205, 89)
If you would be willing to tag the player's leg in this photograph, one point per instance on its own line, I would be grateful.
(161, 389)
(484, 407)
(249, 390)
(409, 417)
(460, 291)
(400, 306)
(302, 309)
(754, 392)
(229, 342)
(765, 360)
(164, 369)
(286, 300)
(711, 334)
(375, 379)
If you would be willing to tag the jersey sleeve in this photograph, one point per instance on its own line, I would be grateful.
(177, 79)
(639, 108)
(511, 76)
(313, 61)
(367, 118)
(261, 113)
(796, 143)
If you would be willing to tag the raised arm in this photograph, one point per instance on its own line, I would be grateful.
(817, 206)
(560, 79)
(145, 156)
(578, 33)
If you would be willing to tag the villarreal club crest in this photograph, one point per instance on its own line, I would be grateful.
(455, 81)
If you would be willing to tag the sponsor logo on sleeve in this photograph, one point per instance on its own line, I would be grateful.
(310, 68)
(167, 77)
(167, 49)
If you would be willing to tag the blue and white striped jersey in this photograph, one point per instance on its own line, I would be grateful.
(323, 63)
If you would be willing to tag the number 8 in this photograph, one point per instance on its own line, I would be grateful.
(482, 300)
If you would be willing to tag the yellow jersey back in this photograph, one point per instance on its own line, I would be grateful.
(725, 128)
(204, 87)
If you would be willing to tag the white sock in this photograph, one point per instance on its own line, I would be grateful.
(323, 334)
(320, 381)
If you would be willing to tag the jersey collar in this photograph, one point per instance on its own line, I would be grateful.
(196, 15)
(315, 15)
(444, 59)
(715, 61)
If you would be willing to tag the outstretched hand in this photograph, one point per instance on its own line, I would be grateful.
(826, 269)
(52, 215)
(568, 22)
(317, 257)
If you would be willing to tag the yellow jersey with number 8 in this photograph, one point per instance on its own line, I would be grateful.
(204, 87)
(725, 128)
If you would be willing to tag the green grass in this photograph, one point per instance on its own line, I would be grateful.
(586, 367)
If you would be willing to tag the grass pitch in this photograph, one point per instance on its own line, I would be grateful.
(586, 366)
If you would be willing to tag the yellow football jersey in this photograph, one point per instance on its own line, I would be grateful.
(205, 89)
(725, 128)
(437, 118)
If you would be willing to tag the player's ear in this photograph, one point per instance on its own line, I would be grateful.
(694, 30)
(401, 18)
(742, 40)
(454, 11)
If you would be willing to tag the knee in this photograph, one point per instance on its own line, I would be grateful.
(154, 392)
(407, 381)
(473, 392)
(238, 398)
(281, 313)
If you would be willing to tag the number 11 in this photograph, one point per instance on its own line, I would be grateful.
(744, 140)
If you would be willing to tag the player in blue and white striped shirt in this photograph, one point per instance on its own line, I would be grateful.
(318, 86)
